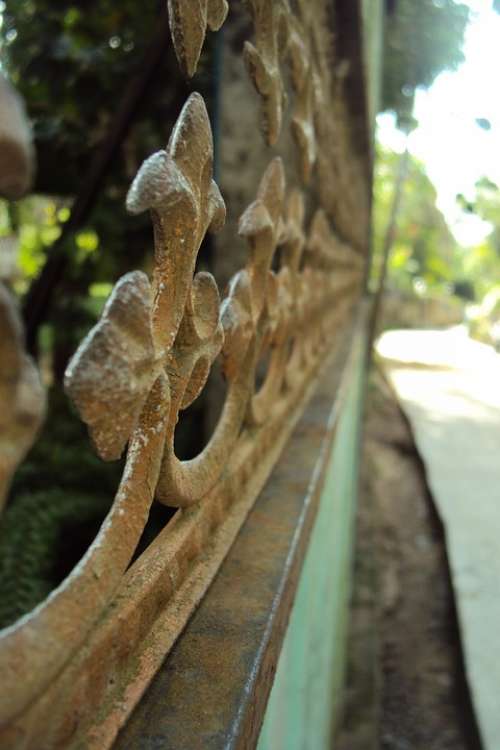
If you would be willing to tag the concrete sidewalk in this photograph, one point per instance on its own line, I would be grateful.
(449, 387)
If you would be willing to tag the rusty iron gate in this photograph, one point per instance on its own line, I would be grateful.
(73, 669)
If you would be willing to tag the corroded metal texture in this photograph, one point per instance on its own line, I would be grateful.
(16, 150)
(188, 23)
(73, 669)
(263, 62)
(21, 394)
(148, 358)
(227, 658)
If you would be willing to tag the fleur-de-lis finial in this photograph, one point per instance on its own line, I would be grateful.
(263, 62)
(21, 394)
(149, 357)
(262, 225)
(306, 92)
(188, 24)
(116, 366)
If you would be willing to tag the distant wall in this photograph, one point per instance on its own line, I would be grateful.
(405, 311)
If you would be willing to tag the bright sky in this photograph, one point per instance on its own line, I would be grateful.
(454, 149)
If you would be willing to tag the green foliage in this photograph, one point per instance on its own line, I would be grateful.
(36, 222)
(421, 39)
(482, 263)
(71, 62)
(59, 498)
(423, 255)
(484, 319)
(486, 205)
(42, 535)
(75, 64)
(62, 457)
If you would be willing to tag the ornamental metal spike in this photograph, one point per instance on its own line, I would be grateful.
(188, 25)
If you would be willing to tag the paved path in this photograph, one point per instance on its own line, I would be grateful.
(449, 387)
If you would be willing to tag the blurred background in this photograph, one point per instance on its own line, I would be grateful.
(436, 196)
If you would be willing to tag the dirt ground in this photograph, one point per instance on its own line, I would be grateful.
(405, 684)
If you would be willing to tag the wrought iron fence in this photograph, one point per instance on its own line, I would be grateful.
(73, 669)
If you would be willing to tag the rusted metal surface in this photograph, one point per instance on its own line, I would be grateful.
(263, 62)
(212, 690)
(189, 22)
(74, 668)
(16, 149)
(21, 394)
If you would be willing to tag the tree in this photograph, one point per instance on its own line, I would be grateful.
(482, 262)
(93, 81)
(423, 248)
(486, 205)
(421, 40)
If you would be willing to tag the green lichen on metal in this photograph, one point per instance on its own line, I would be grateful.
(307, 692)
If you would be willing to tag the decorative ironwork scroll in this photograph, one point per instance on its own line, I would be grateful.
(73, 669)
(263, 62)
